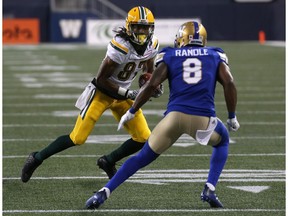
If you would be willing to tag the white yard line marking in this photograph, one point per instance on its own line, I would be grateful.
(155, 181)
(56, 96)
(115, 124)
(74, 113)
(37, 104)
(44, 68)
(185, 176)
(257, 137)
(154, 103)
(112, 139)
(163, 155)
(144, 210)
(253, 189)
(55, 125)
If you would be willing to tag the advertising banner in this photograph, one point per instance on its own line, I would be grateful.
(20, 31)
(68, 27)
(100, 32)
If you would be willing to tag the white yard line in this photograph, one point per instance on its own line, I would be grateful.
(73, 113)
(143, 210)
(154, 103)
(156, 181)
(184, 175)
(163, 155)
(115, 124)
(98, 139)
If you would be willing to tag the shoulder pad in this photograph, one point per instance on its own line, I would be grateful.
(221, 54)
(155, 43)
(223, 57)
(117, 44)
(217, 49)
(161, 54)
(165, 49)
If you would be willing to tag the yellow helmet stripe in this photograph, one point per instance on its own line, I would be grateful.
(119, 47)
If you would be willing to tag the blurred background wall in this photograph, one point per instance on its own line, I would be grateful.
(67, 20)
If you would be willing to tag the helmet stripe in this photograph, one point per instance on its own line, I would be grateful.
(196, 26)
(142, 14)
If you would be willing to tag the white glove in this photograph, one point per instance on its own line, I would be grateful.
(233, 124)
(132, 94)
(126, 117)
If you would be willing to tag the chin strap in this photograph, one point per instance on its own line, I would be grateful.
(140, 49)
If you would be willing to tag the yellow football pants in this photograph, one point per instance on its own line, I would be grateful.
(137, 127)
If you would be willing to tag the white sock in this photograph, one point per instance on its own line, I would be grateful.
(107, 190)
(210, 186)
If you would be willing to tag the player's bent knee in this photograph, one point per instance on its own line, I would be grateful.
(223, 132)
(142, 138)
(78, 140)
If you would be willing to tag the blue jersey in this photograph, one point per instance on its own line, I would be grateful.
(192, 76)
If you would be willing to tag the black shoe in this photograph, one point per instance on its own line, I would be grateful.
(29, 167)
(109, 168)
(209, 196)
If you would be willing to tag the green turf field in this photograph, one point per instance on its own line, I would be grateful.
(40, 87)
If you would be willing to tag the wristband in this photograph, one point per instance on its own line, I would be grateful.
(122, 91)
(132, 110)
(231, 115)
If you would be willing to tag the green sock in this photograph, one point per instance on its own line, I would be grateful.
(60, 144)
(127, 148)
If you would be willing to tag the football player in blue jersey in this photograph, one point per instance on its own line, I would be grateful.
(132, 50)
(192, 70)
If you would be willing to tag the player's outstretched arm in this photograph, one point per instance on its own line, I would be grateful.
(158, 76)
(230, 93)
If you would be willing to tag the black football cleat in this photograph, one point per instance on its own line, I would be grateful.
(105, 165)
(209, 196)
(29, 167)
(96, 200)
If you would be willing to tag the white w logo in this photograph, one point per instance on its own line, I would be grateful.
(70, 28)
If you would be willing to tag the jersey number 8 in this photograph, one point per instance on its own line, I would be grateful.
(192, 70)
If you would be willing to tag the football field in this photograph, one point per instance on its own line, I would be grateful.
(40, 87)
